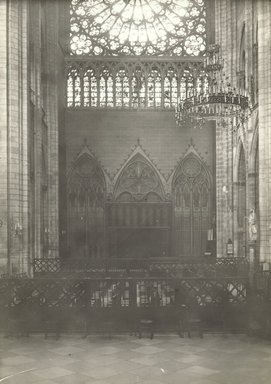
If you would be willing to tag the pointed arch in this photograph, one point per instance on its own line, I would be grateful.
(242, 59)
(73, 88)
(253, 181)
(192, 195)
(242, 165)
(86, 196)
(241, 194)
(86, 174)
(139, 216)
(190, 168)
(139, 178)
(239, 148)
(254, 150)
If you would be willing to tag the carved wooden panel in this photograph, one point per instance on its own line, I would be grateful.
(192, 200)
(139, 218)
(86, 195)
(140, 180)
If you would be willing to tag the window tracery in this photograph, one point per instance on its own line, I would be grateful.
(74, 88)
(137, 27)
(106, 89)
(90, 89)
(170, 88)
(154, 89)
(132, 84)
(122, 88)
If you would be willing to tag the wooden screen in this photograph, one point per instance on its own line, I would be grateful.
(138, 229)
(86, 193)
(192, 207)
(139, 218)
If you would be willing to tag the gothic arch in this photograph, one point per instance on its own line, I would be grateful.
(253, 150)
(87, 174)
(191, 166)
(192, 197)
(242, 47)
(240, 200)
(242, 58)
(140, 179)
(253, 182)
(139, 218)
(240, 147)
(86, 196)
(241, 166)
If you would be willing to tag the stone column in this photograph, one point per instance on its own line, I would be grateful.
(14, 199)
(3, 139)
(264, 25)
(52, 120)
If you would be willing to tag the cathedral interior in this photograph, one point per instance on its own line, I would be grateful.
(135, 204)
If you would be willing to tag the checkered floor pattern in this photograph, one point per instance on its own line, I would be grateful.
(166, 359)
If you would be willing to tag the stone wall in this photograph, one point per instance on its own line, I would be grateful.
(245, 49)
(112, 135)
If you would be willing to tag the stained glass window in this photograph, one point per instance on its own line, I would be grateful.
(154, 89)
(144, 85)
(170, 88)
(90, 89)
(186, 85)
(73, 88)
(122, 89)
(138, 89)
(106, 89)
(137, 27)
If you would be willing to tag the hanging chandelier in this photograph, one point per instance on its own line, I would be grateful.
(215, 98)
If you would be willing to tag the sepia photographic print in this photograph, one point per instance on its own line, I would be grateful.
(135, 191)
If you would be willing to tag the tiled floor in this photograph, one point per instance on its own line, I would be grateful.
(122, 359)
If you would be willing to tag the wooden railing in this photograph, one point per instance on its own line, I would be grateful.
(184, 268)
(77, 298)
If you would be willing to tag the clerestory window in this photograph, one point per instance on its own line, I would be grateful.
(135, 53)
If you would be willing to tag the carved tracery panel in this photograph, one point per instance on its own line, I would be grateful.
(192, 205)
(139, 179)
(86, 195)
(139, 218)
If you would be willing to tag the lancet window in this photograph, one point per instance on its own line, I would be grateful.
(154, 89)
(170, 88)
(122, 89)
(90, 89)
(74, 88)
(106, 89)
